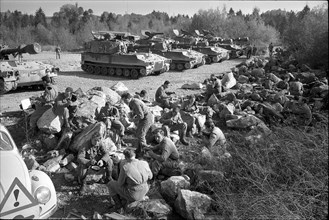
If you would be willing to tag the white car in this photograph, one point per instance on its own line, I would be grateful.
(23, 193)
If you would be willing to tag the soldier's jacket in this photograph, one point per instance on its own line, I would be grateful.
(92, 152)
(216, 135)
(134, 173)
(166, 149)
(171, 117)
(138, 108)
(61, 102)
(160, 94)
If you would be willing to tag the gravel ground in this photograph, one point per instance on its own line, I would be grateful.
(72, 75)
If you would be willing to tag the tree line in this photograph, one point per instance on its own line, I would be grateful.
(304, 33)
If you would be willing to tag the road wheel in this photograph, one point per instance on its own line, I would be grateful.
(90, 69)
(126, 72)
(4, 86)
(180, 67)
(111, 71)
(134, 74)
(208, 60)
(118, 72)
(143, 72)
(97, 70)
(188, 66)
(84, 67)
(104, 70)
(215, 59)
(172, 66)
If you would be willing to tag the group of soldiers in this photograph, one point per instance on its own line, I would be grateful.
(127, 179)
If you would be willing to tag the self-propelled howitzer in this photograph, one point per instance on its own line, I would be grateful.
(107, 55)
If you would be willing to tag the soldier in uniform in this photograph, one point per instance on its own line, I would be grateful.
(111, 117)
(165, 156)
(215, 139)
(94, 154)
(143, 118)
(58, 52)
(45, 102)
(174, 121)
(62, 102)
(163, 97)
(132, 182)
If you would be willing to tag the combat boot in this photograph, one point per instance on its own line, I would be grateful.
(118, 203)
(183, 140)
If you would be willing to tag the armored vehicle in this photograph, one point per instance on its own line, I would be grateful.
(180, 58)
(187, 40)
(16, 73)
(107, 55)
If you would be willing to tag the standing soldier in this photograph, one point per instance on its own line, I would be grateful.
(143, 118)
(270, 49)
(58, 52)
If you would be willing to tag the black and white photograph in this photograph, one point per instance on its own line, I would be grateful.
(163, 109)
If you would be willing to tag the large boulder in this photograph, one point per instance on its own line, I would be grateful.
(82, 139)
(120, 88)
(274, 78)
(86, 111)
(258, 72)
(306, 77)
(149, 209)
(50, 123)
(228, 80)
(213, 100)
(243, 122)
(111, 96)
(191, 204)
(171, 186)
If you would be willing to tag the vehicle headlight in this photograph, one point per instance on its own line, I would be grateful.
(42, 194)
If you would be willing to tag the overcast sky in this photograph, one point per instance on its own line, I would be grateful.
(145, 7)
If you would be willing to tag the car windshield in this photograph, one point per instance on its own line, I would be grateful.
(5, 143)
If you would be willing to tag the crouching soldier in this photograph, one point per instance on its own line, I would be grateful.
(175, 122)
(132, 182)
(111, 117)
(215, 140)
(165, 156)
(94, 154)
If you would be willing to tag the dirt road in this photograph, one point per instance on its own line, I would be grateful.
(72, 75)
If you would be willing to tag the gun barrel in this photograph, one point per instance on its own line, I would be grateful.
(30, 49)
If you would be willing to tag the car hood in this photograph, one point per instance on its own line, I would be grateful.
(11, 166)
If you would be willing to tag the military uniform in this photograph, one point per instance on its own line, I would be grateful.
(165, 158)
(216, 138)
(92, 154)
(175, 122)
(145, 120)
(60, 107)
(162, 97)
(114, 117)
(132, 182)
(46, 102)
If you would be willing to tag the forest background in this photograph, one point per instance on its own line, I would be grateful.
(303, 33)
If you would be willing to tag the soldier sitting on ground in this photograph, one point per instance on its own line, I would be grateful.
(132, 182)
(162, 96)
(111, 117)
(174, 122)
(165, 156)
(143, 95)
(215, 140)
(94, 154)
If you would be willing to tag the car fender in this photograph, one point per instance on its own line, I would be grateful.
(41, 179)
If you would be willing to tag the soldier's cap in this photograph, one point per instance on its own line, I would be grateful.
(166, 82)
